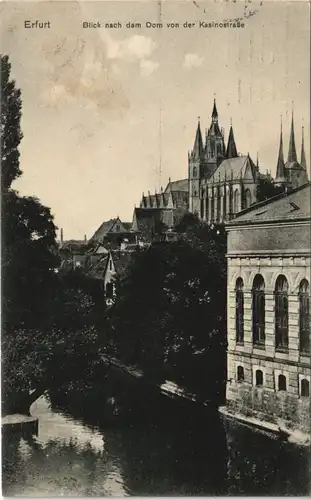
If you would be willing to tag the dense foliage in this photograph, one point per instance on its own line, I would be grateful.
(170, 317)
(266, 188)
(51, 321)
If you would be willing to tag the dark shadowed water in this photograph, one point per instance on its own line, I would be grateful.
(71, 457)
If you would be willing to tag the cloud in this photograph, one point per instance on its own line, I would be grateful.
(148, 67)
(82, 74)
(192, 61)
(136, 47)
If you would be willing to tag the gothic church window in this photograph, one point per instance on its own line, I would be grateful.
(258, 293)
(281, 313)
(236, 201)
(248, 198)
(239, 311)
(194, 172)
(304, 317)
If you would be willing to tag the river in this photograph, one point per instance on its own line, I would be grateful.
(72, 457)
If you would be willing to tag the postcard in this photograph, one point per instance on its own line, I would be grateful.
(155, 187)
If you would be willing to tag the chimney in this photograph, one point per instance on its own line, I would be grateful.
(61, 235)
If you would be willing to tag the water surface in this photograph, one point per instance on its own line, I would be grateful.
(71, 457)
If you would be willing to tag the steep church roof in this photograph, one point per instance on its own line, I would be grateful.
(234, 169)
(180, 185)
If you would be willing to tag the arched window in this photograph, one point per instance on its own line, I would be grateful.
(248, 198)
(258, 310)
(281, 313)
(282, 383)
(259, 378)
(305, 388)
(239, 311)
(304, 317)
(194, 171)
(236, 201)
(240, 373)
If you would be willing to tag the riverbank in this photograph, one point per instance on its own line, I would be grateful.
(19, 423)
(292, 436)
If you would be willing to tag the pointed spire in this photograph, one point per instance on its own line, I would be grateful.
(198, 143)
(280, 171)
(292, 155)
(215, 113)
(231, 147)
(303, 161)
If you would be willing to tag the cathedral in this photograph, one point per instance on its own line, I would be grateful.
(221, 182)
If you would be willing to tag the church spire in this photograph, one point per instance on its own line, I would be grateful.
(198, 143)
(303, 161)
(215, 113)
(280, 170)
(231, 146)
(292, 155)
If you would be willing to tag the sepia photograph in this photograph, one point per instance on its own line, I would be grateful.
(155, 248)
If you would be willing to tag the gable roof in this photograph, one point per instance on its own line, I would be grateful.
(109, 226)
(233, 168)
(293, 205)
(180, 185)
(99, 249)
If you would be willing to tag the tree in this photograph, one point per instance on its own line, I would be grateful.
(11, 135)
(170, 315)
(29, 255)
(266, 188)
(52, 336)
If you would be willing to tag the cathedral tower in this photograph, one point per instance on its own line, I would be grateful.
(280, 180)
(195, 171)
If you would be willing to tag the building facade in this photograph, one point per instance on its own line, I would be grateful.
(268, 364)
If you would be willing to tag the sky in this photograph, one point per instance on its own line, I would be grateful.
(111, 113)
